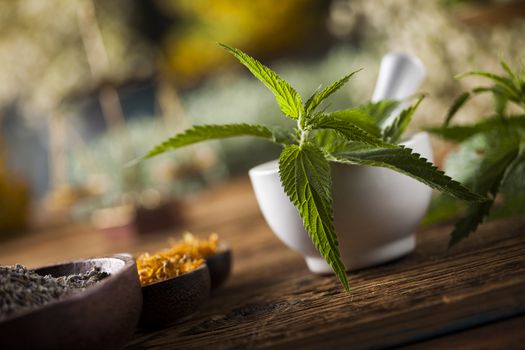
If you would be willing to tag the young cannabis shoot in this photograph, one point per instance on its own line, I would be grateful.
(491, 155)
(364, 136)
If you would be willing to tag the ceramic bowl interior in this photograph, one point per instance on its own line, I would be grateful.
(174, 299)
(103, 316)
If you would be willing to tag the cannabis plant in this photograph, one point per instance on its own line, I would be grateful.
(365, 135)
(491, 155)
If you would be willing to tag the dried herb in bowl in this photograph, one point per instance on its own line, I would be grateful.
(22, 289)
(180, 258)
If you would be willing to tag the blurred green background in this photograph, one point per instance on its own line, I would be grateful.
(88, 85)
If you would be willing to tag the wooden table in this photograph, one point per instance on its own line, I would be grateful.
(470, 297)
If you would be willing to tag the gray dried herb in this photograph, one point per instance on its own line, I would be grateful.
(22, 289)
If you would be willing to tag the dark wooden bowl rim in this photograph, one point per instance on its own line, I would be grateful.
(128, 260)
(223, 248)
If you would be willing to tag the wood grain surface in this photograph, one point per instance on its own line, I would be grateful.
(433, 298)
(502, 334)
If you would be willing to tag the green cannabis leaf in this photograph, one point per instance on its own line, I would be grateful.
(329, 140)
(316, 99)
(305, 175)
(482, 162)
(318, 138)
(200, 133)
(512, 188)
(475, 215)
(490, 150)
(456, 105)
(459, 133)
(403, 160)
(358, 118)
(288, 99)
(393, 131)
(505, 84)
(494, 165)
(464, 98)
(351, 131)
(380, 111)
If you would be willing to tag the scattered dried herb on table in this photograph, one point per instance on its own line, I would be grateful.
(21, 288)
(180, 258)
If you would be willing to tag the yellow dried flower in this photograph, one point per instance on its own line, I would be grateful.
(180, 258)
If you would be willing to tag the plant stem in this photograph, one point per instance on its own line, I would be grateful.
(300, 125)
(304, 136)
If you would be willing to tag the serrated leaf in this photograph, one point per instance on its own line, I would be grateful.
(492, 168)
(404, 161)
(358, 118)
(285, 136)
(381, 110)
(505, 89)
(462, 99)
(305, 176)
(442, 208)
(456, 105)
(513, 77)
(482, 158)
(505, 83)
(455, 133)
(483, 162)
(512, 188)
(329, 141)
(288, 99)
(475, 215)
(350, 130)
(515, 173)
(500, 101)
(477, 212)
(507, 69)
(393, 131)
(463, 132)
(318, 97)
(481, 89)
(200, 133)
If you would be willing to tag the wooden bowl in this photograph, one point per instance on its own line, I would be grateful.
(104, 316)
(220, 265)
(175, 298)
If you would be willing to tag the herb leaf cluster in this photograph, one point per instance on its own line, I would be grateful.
(365, 135)
(491, 155)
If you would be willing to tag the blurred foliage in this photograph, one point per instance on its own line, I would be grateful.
(491, 154)
(463, 2)
(14, 201)
(98, 164)
(452, 3)
(53, 59)
(304, 168)
(442, 208)
(43, 58)
(98, 167)
(244, 100)
(434, 33)
(44, 64)
(262, 27)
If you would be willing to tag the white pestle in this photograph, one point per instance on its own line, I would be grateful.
(400, 75)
